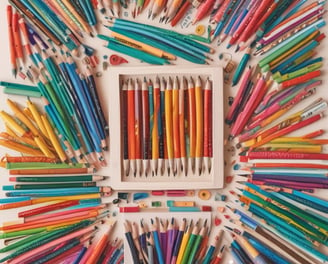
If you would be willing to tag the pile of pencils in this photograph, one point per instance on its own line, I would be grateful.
(166, 242)
(70, 243)
(153, 44)
(167, 126)
(67, 212)
(292, 220)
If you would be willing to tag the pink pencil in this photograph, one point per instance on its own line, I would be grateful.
(20, 259)
(63, 213)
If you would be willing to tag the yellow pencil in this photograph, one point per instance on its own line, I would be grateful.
(43, 147)
(168, 124)
(37, 117)
(199, 125)
(142, 46)
(293, 49)
(53, 138)
(184, 243)
(13, 125)
(22, 117)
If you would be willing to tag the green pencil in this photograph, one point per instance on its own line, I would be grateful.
(48, 186)
(77, 178)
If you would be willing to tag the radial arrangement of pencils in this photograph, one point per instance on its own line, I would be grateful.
(167, 126)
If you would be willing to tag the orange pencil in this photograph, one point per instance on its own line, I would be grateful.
(182, 11)
(164, 163)
(131, 124)
(17, 39)
(11, 40)
(99, 247)
(52, 171)
(176, 127)
(183, 88)
(199, 125)
(192, 122)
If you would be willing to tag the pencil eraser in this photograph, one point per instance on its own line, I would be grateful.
(157, 193)
(206, 208)
(8, 187)
(130, 209)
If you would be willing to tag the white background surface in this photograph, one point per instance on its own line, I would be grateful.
(104, 84)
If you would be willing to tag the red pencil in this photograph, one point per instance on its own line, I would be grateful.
(286, 130)
(47, 208)
(17, 39)
(180, 13)
(302, 79)
(208, 124)
(11, 40)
